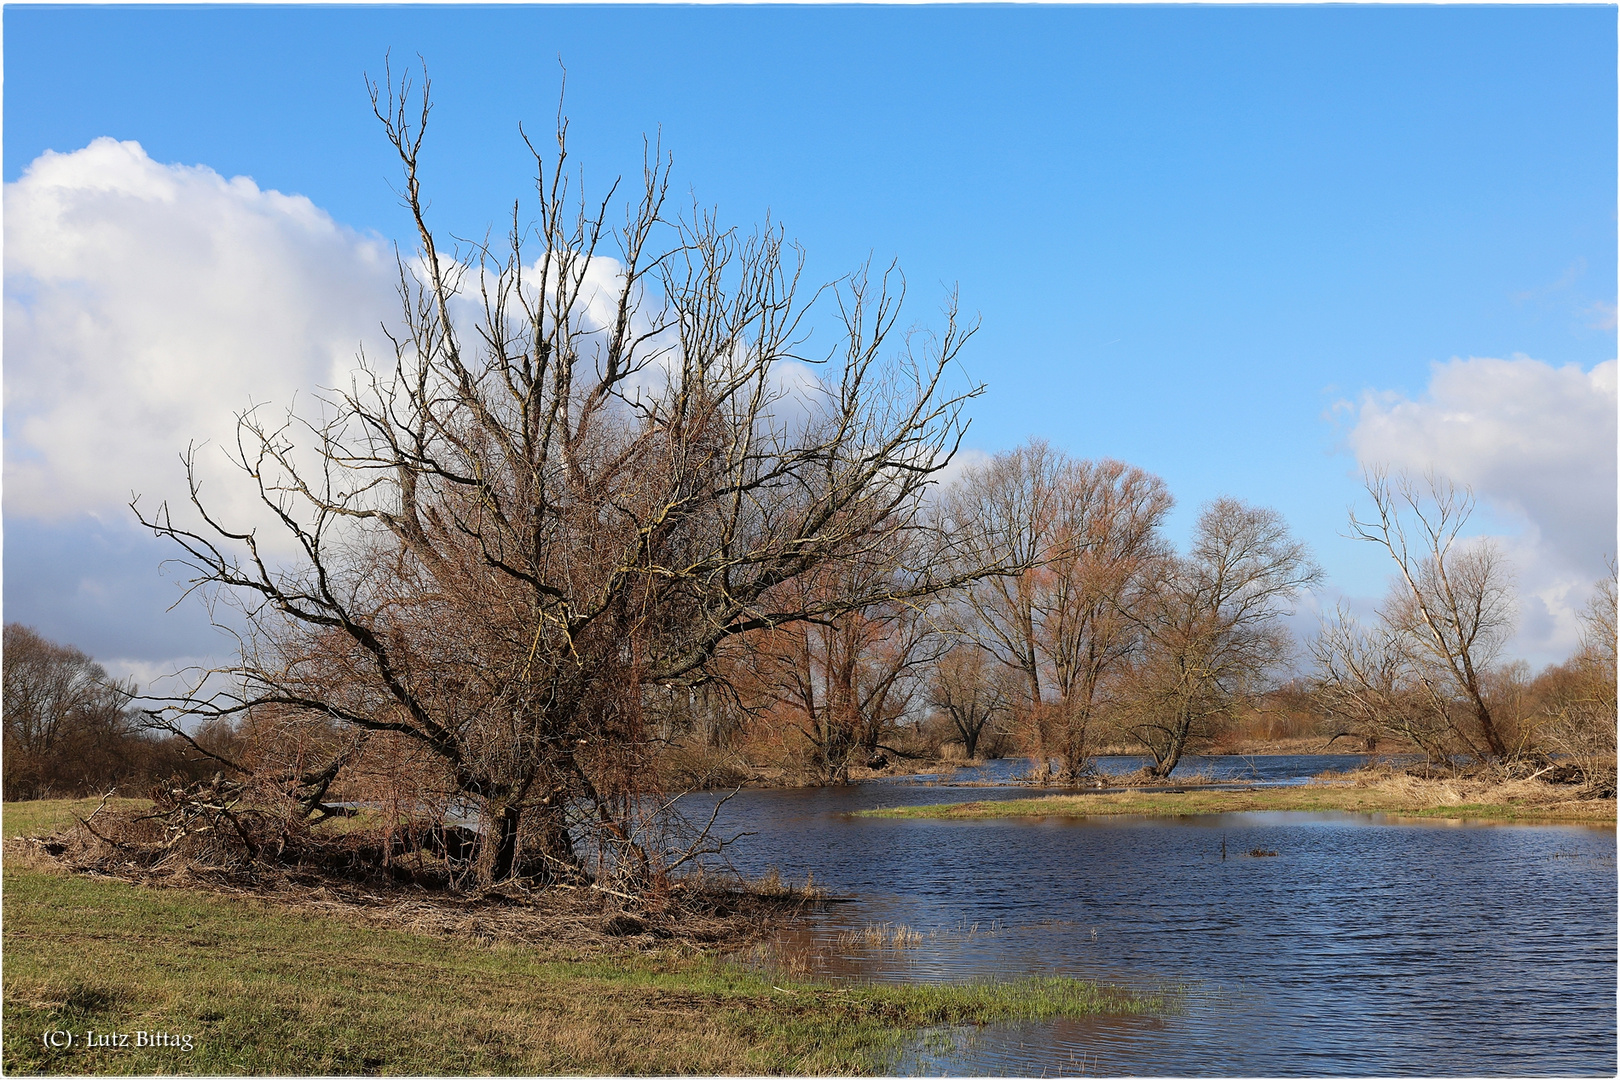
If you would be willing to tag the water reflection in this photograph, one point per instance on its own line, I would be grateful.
(1359, 948)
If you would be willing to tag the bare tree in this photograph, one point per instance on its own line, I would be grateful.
(1082, 534)
(973, 692)
(1108, 528)
(1579, 708)
(1452, 606)
(534, 514)
(1006, 512)
(1212, 627)
(1373, 684)
(845, 681)
(1598, 619)
(67, 724)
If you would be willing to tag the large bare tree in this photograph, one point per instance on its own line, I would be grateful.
(574, 480)
(1212, 627)
(1451, 608)
(1082, 535)
(1006, 511)
(1099, 571)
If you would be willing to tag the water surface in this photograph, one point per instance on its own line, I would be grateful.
(1361, 947)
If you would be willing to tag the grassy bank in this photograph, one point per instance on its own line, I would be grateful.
(1399, 796)
(259, 988)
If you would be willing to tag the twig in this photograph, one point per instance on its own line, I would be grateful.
(104, 839)
(103, 803)
(612, 892)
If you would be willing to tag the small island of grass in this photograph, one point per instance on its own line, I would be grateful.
(1524, 801)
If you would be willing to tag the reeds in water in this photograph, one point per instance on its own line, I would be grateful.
(884, 935)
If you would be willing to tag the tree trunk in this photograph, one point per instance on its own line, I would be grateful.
(1487, 728)
(970, 742)
(1076, 740)
(502, 835)
(554, 859)
(1165, 764)
(549, 857)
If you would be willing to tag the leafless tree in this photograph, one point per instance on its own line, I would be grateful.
(1372, 684)
(973, 692)
(574, 481)
(1451, 608)
(1579, 712)
(845, 681)
(67, 724)
(1598, 619)
(1082, 534)
(1109, 545)
(1212, 628)
(1006, 511)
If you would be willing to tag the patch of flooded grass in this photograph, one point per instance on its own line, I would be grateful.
(262, 990)
(1524, 801)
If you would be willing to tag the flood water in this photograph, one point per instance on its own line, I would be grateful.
(1362, 946)
(1270, 769)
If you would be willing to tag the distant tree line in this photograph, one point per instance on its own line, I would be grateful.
(71, 731)
(1104, 637)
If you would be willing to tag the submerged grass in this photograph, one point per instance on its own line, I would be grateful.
(254, 987)
(1399, 796)
(881, 936)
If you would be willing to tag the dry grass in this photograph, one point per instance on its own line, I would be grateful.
(885, 936)
(1377, 791)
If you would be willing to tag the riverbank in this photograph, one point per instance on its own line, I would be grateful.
(709, 770)
(236, 982)
(1375, 792)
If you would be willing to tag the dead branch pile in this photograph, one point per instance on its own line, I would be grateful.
(1566, 779)
(1428, 784)
(206, 835)
(233, 832)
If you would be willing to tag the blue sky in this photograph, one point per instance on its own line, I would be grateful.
(1196, 238)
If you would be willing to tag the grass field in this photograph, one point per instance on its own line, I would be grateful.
(1399, 796)
(257, 988)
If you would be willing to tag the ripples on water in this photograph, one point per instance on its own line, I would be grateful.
(1360, 948)
(1270, 769)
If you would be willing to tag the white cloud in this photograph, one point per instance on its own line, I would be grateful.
(1537, 444)
(146, 305)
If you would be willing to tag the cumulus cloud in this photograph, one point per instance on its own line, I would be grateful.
(147, 304)
(1537, 444)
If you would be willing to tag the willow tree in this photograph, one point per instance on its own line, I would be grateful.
(1451, 608)
(1211, 626)
(1084, 538)
(595, 455)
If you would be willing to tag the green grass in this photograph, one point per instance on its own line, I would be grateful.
(42, 816)
(1308, 797)
(263, 989)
